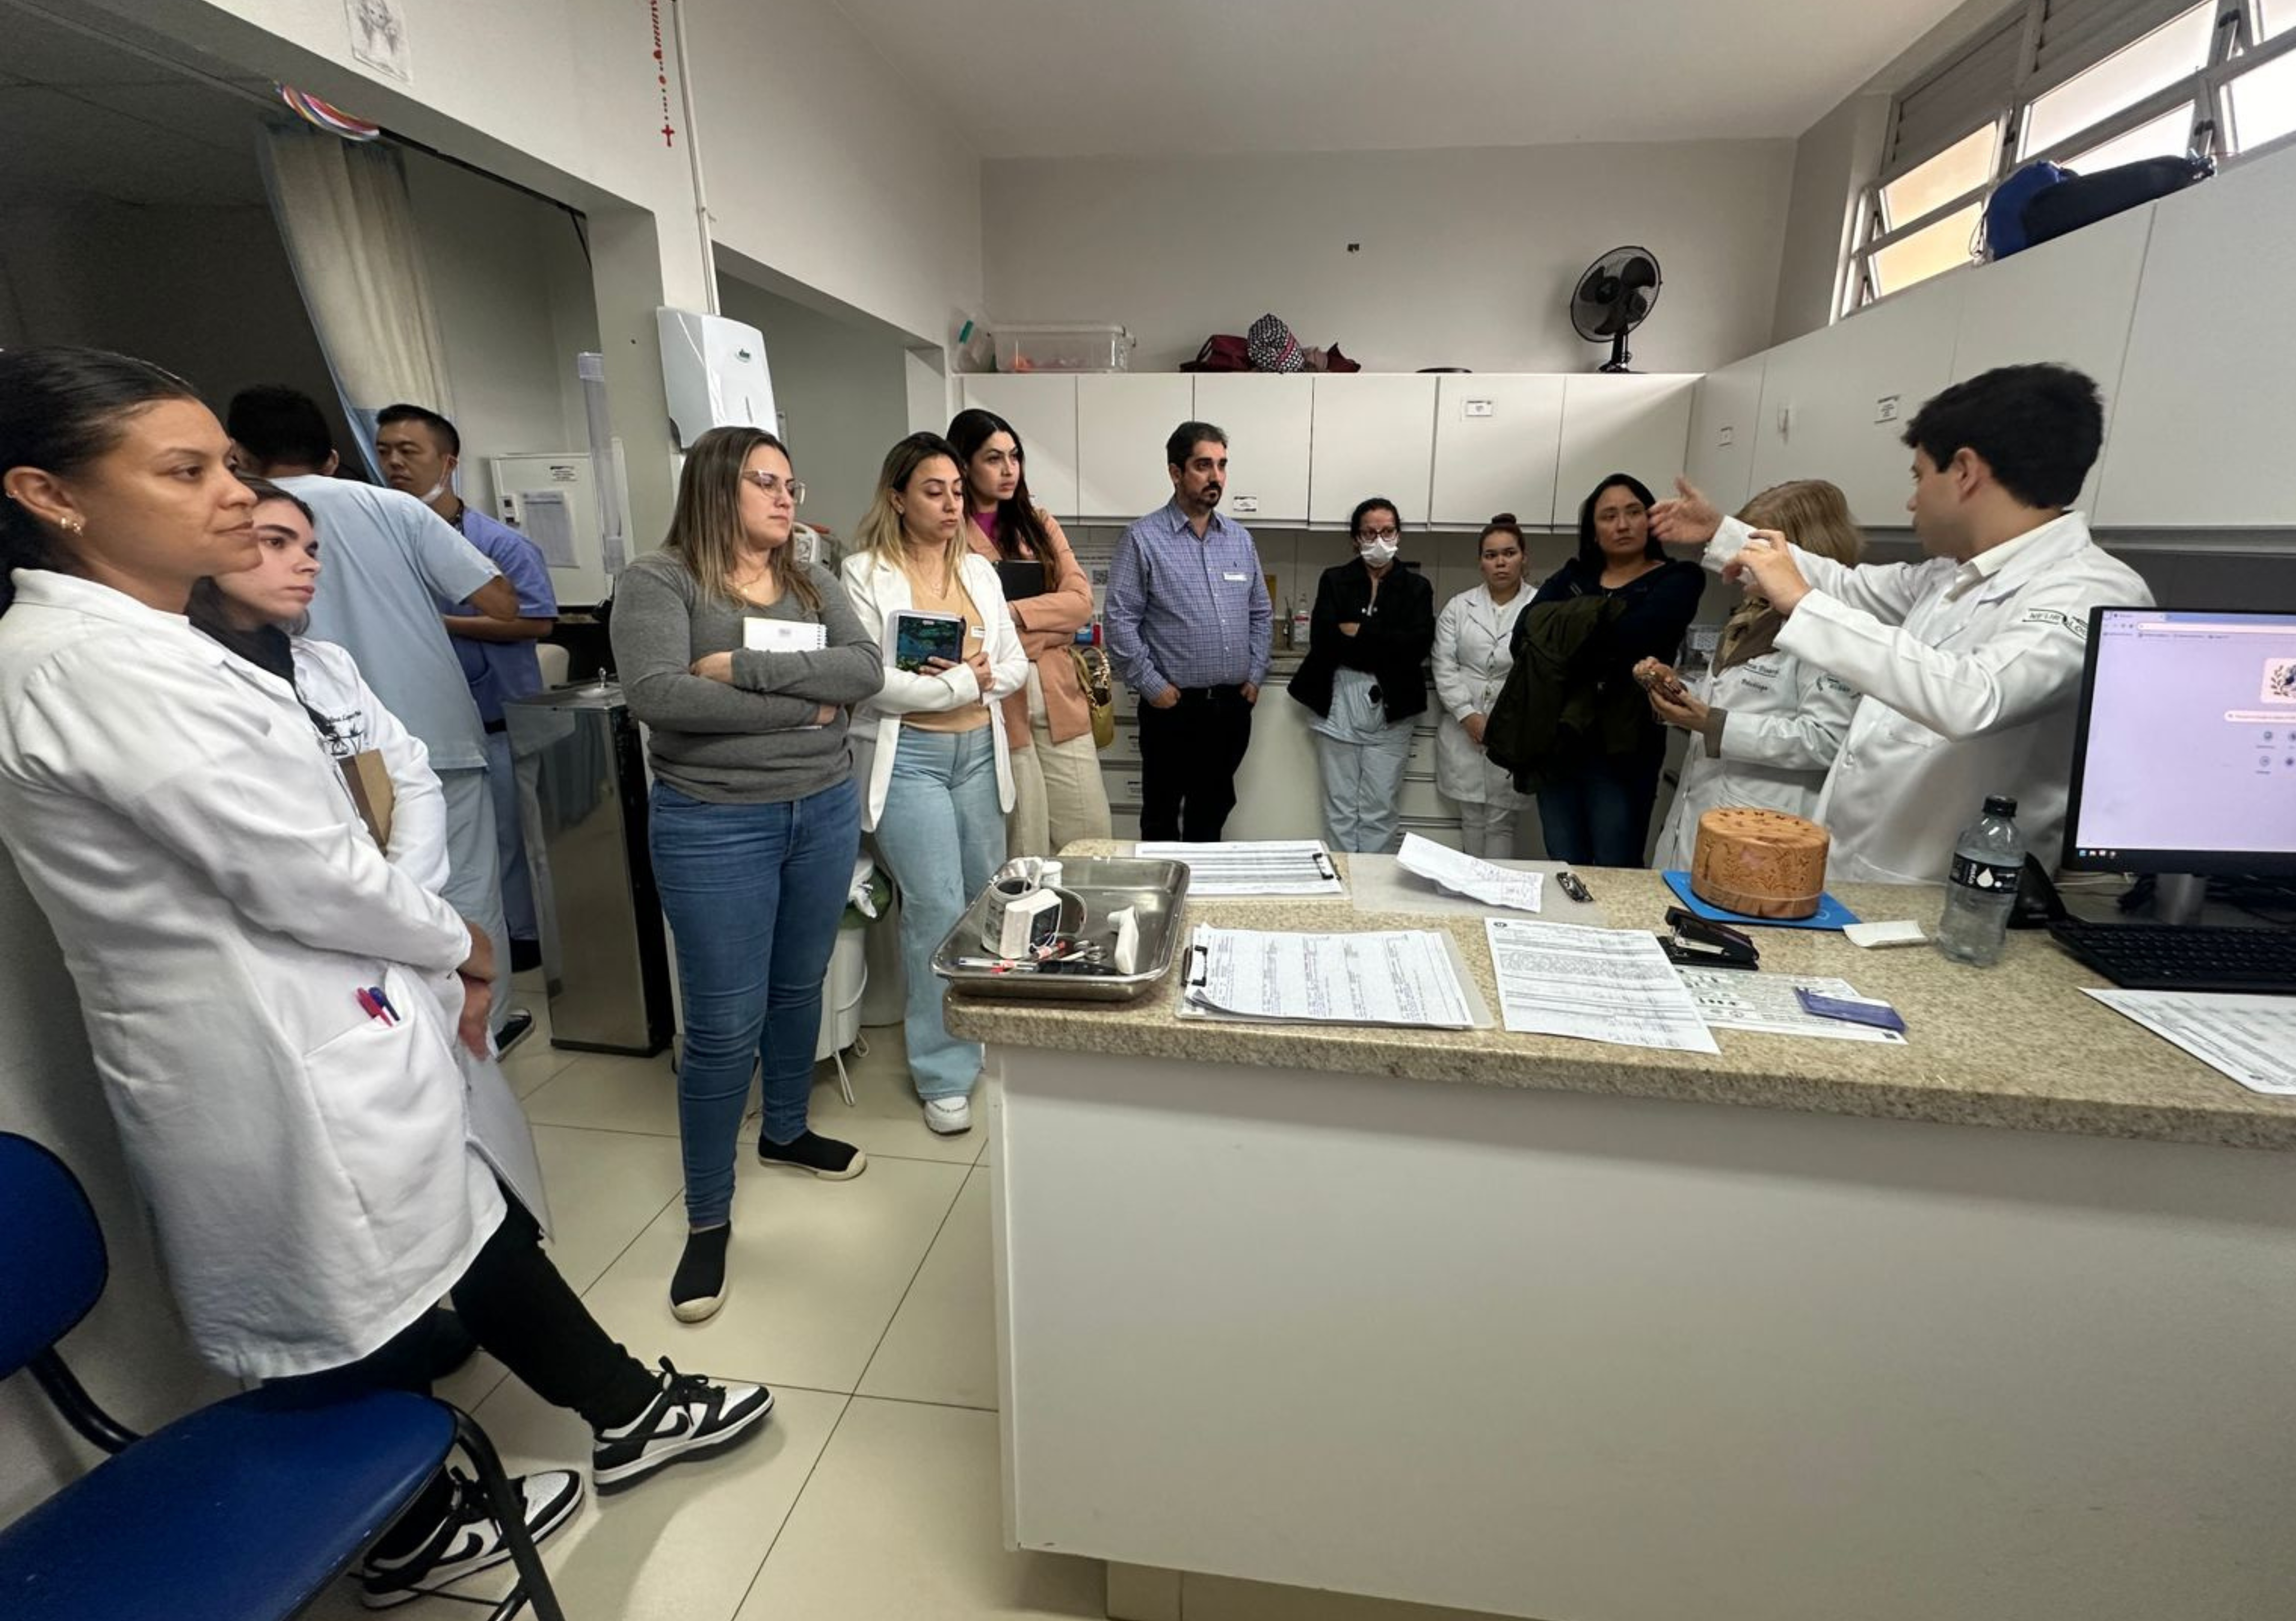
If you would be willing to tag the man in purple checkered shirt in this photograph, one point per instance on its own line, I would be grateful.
(1189, 629)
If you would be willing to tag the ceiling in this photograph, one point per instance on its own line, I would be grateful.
(1073, 78)
(83, 114)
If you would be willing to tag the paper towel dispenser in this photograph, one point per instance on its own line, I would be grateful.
(714, 373)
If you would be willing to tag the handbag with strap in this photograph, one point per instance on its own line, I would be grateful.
(1097, 677)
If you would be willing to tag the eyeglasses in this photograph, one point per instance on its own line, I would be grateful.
(773, 485)
(1379, 534)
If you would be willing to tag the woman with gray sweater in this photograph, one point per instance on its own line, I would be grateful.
(744, 663)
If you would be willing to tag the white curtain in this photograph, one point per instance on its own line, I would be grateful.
(349, 231)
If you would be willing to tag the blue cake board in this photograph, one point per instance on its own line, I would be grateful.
(1831, 913)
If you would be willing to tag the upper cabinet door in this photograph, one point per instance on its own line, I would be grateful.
(1620, 423)
(2066, 300)
(1375, 436)
(1495, 442)
(1723, 411)
(1122, 422)
(1269, 419)
(1043, 411)
(2200, 437)
(1835, 402)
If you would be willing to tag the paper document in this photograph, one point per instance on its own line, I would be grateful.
(2253, 1038)
(1289, 867)
(548, 521)
(1735, 998)
(762, 635)
(1610, 985)
(1395, 977)
(1470, 876)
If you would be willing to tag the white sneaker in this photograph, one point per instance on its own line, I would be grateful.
(690, 1417)
(949, 1116)
(468, 1540)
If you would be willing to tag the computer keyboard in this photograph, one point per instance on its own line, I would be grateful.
(2168, 957)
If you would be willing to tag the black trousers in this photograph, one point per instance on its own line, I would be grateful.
(1188, 758)
(517, 1307)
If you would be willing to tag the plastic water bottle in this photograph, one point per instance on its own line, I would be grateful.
(1981, 891)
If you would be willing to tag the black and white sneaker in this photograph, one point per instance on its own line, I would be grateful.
(826, 1158)
(690, 1417)
(468, 1540)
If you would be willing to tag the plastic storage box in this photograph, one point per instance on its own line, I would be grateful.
(1064, 347)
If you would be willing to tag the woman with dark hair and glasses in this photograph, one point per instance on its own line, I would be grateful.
(1597, 814)
(743, 662)
(1364, 678)
(255, 974)
(1058, 796)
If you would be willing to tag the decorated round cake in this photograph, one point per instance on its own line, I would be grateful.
(1760, 863)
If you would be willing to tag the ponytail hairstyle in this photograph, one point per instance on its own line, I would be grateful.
(1018, 521)
(61, 408)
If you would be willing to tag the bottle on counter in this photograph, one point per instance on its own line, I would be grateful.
(1981, 891)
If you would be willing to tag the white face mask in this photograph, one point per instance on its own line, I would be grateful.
(435, 491)
(1379, 554)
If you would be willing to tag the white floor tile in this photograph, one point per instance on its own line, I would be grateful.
(816, 1272)
(604, 1188)
(533, 1062)
(888, 1119)
(900, 1523)
(605, 1093)
(942, 1345)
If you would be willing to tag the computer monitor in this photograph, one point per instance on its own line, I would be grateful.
(2185, 762)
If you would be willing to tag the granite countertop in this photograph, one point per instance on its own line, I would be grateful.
(2015, 1046)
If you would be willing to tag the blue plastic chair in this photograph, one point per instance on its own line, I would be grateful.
(245, 1509)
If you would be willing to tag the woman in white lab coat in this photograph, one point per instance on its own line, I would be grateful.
(1765, 725)
(931, 746)
(251, 969)
(1473, 654)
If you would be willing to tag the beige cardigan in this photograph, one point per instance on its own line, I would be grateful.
(1048, 625)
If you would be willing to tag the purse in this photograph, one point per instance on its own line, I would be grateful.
(1097, 677)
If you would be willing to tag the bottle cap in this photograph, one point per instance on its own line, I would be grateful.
(2000, 804)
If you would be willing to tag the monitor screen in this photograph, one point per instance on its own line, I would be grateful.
(2186, 758)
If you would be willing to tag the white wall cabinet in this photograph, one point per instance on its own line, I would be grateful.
(1269, 419)
(2207, 393)
(1620, 423)
(1834, 403)
(1495, 442)
(1724, 410)
(1043, 410)
(2066, 300)
(1122, 420)
(1375, 436)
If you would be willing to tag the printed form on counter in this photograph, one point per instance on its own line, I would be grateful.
(1612, 986)
(1281, 867)
(1470, 876)
(1731, 998)
(1401, 976)
(2253, 1038)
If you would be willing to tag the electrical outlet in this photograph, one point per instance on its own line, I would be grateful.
(1728, 437)
(1245, 504)
(1885, 409)
(1478, 408)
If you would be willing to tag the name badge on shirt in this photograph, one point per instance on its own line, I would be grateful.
(1236, 579)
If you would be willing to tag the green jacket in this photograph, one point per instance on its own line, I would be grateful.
(1556, 711)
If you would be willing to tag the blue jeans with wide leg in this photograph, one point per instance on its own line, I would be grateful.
(754, 894)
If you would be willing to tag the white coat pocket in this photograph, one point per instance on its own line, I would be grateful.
(390, 1098)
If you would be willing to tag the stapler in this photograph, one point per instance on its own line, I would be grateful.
(1698, 943)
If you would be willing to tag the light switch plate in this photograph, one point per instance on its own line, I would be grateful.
(1885, 409)
(1245, 504)
(1478, 408)
(1727, 437)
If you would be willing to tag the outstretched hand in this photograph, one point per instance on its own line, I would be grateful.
(1766, 565)
(1687, 519)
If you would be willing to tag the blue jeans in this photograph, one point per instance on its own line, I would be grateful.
(1601, 817)
(754, 894)
(943, 835)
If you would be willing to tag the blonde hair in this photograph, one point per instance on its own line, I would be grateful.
(705, 529)
(1812, 514)
(878, 534)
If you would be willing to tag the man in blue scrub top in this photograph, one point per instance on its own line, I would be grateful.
(419, 450)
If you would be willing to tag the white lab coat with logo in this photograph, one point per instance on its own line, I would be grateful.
(1970, 673)
(220, 905)
(879, 590)
(1472, 657)
(328, 681)
(1784, 721)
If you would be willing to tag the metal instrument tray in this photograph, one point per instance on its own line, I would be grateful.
(1153, 889)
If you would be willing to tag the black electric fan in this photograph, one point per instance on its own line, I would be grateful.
(1613, 298)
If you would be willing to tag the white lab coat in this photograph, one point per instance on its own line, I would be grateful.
(879, 590)
(220, 905)
(328, 680)
(1970, 673)
(1784, 721)
(1473, 654)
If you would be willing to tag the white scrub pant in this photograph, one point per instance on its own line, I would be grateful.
(1486, 829)
(473, 880)
(1363, 790)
